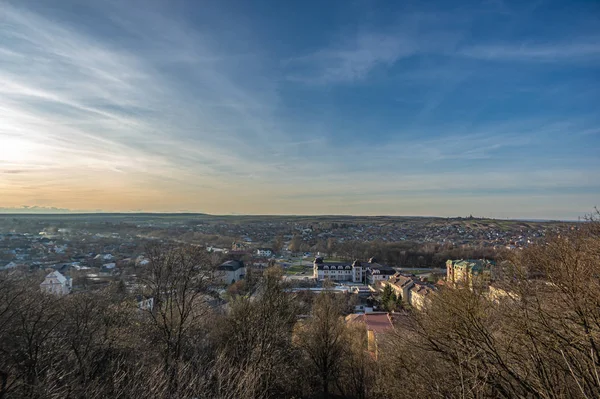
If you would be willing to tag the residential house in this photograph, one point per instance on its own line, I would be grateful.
(9, 265)
(141, 261)
(104, 257)
(56, 283)
(212, 249)
(60, 249)
(230, 271)
(377, 325)
(146, 303)
(264, 252)
(238, 246)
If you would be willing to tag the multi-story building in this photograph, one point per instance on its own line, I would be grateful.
(401, 285)
(420, 295)
(413, 292)
(378, 272)
(356, 272)
(469, 273)
(338, 271)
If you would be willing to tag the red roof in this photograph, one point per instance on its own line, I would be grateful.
(378, 322)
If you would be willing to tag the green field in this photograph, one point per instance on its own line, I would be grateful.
(297, 269)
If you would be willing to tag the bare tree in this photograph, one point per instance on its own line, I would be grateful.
(323, 339)
(30, 344)
(358, 368)
(11, 295)
(277, 244)
(178, 282)
(256, 356)
(295, 243)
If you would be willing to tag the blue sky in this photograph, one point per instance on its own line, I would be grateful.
(488, 108)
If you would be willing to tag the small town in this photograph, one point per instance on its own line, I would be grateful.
(299, 199)
(94, 251)
(63, 258)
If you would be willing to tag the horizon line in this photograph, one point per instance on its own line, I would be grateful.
(83, 213)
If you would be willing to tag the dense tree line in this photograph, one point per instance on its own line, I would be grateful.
(539, 339)
(408, 254)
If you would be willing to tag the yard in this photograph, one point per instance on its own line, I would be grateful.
(296, 269)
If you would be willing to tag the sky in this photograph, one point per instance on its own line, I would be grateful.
(448, 108)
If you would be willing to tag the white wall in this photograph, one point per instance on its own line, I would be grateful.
(227, 276)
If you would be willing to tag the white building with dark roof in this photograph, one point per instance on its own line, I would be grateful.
(231, 271)
(356, 272)
(338, 271)
(377, 272)
(56, 283)
(264, 252)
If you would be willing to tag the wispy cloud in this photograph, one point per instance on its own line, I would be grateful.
(83, 102)
(142, 108)
(354, 55)
(353, 60)
(582, 50)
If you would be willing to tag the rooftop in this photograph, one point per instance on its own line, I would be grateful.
(231, 265)
(376, 322)
(401, 280)
(422, 289)
(473, 264)
(57, 275)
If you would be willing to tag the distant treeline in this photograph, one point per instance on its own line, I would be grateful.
(413, 254)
